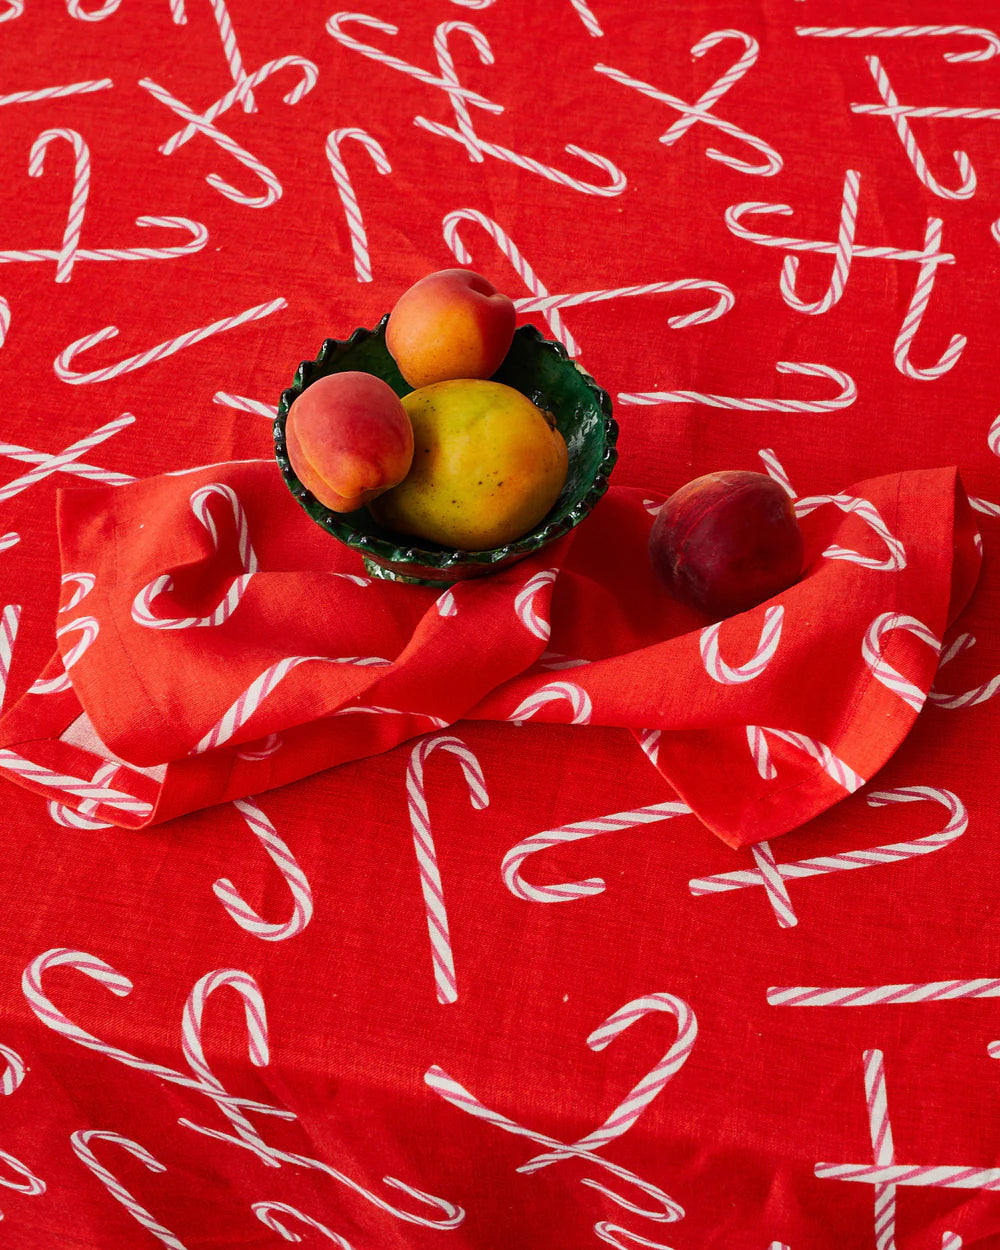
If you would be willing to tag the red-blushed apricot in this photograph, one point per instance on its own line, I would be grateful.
(348, 439)
(727, 541)
(451, 324)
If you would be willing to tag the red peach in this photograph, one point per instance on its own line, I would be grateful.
(451, 324)
(727, 541)
(348, 439)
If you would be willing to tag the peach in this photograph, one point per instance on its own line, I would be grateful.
(348, 439)
(451, 324)
(725, 542)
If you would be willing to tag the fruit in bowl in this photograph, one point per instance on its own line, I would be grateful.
(488, 464)
(727, 541)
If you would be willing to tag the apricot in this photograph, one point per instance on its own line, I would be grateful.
(727, 541)
(487, 466)
(450, 324)
(348, 439)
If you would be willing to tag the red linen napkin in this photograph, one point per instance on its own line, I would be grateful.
(214, 643)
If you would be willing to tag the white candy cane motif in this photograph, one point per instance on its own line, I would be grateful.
(81, 1140)
(4, 328)
(723, 300)
(273, 189)
(55, 93)
(524, 604)
(880, 995)
(76, 786)
(867, 512)
(345, 189)
(900, 115)
(8, 540)
(13, 1073)
(447, 67)
(727, 675)
(575, 832)
(666, 1210)
(80, 818)
(88, 628)
(993, 437)
(915, 313)
(81, 189)
(609, 1232)
(10, 618)
(871, 649)
(843, 255)
(29, 1183)
(120, 985)
(834, 767)
(309, 76)
(374, 710)
(88, 472)
(286, 863)
(884, 1151)
(642, 1094)
(83, 584)
(93, 15)
(575, 696)
(198, 239)
(423, 844)
(65, 358)
(264, 1211)
(15, 8)
(240, 711)
(995, 229)
(243, 404)
(587, 17)
(509, 249)
(848, 393)
(445, 603)
(701, 110)
(649, 741)
(142, 605)
(268, 746)
(991, 40)
(231, 51)
(969, 698)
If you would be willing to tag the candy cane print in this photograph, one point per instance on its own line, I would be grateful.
(995, 229)
(991, 40)
(915, 313)
(345, 189)
(264, 1211)
(727, 675)
(291, 872)
(880, 995)
(649, 741)
(15, 8)
(883, 1149)
(335, 28)
(701, 110)
(29, 1183)
(723, 300)
(900, 114)
(513, 253)
(370, 710)
(269, 745)
(198, 239)
(451, 1091)
(81, 189)
(243, 404)
(867, 512)
(848, 393)
(65, 358)
(308, 79)
(8, 540)
(993, 437)
(575, 696)
(610, 1232)
(871, 649)
(445, 603)
(835, 768)
(81, 1140)
(273, 191)
(587, 17)
(232, 52)
(54, 93)
(76, 786)
(94, 15)
(524, 604)
(89, 472)
(10, 618)
(843, 255)
(575, 832)
(423, 844)
(4, 329)
(447, 67)
(120, 985)
(14, 1072)
(79, 818)
(642, 1094)
(969, 698)
(242, 708)
(83, 584)
(88, 628)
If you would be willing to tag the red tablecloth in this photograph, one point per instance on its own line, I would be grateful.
(359, 1008)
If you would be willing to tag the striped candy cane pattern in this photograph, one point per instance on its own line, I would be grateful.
(79, 817)
(524, 604)
(75, 786)
(243, 404)
(914, 315)
(865, 511)
(10, 619)
(231, 50)
(14, 1072)
(575, 832)
(847, 395)
(8, 540)
(882, 1147)
(66, 357)
(286, 863)
(60, 92)
(988, 38)
(81, 189)
(265, 1212)
(722, 301)
(871, 649)
(552, 692)
(773, 876)
(609, 1232)
(29, 1183)
(348, 197)
(423, 844)
(642, 1094)
(81, 1140)
(446, 64)
(968, 698)
(835, 768)
(82, 583)
(4, 328)
(728, 675)
(93, 15)
(882, 995)
(88, 628)
(843, 254)
(198, 239)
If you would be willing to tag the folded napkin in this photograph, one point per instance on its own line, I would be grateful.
(214, 643)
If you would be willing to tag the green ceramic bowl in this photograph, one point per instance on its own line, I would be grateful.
(536, 366)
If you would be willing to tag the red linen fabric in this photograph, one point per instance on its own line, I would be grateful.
(504, 965)
(209, 626)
